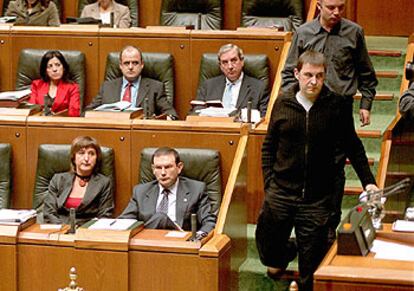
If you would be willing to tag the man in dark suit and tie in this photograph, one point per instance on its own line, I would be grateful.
(169, 201)
(133, 87)
(234, 87)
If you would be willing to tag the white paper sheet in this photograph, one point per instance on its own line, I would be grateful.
(392, 251)
(113, 224)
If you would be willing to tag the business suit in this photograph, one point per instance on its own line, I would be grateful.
(251, 89)
(67, 96)
(191, 198)
(97, 202)
(110, 92)
(122, 18)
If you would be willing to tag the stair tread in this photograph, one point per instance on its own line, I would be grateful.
(389, 96)
(387, 74)
(385, 53)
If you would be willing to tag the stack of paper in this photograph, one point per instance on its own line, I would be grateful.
(216, 112)
(113, 224)
(16, 215)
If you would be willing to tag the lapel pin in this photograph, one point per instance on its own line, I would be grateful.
(185, 199)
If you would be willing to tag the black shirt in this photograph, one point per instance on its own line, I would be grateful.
(348, 65)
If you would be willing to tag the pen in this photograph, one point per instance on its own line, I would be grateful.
(112, 223)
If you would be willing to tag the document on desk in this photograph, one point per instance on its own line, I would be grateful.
(113, 224)
(16, 215)
(392, 251)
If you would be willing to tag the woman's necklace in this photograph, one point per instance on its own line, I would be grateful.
(83, 180)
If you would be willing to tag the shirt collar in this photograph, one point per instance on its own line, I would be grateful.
(237, 81)
(317, 27)
(134, 84)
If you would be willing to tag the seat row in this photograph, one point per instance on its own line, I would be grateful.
(208, 14)
(158, 66)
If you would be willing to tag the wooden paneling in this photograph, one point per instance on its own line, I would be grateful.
(13, 131)
(8, 267)
(5, 62)
(385, 17)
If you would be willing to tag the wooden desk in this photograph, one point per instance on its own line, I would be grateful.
(8, 266)
(339, 273)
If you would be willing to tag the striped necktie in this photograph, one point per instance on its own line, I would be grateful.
(163, 206)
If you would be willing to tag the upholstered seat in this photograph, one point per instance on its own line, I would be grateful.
(131, 4)
(263, 13)
(199, 164)
(5, 175)
(157, 66)
(55, 158)
(202, 14)
(29, 64)
(57, 2)
(256, 66)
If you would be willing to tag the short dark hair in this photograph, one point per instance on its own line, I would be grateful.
(311, 57)
(81, 142)
(165, 151)
(128, 47)
(46, 58)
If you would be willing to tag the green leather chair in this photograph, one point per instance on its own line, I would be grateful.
(157, 66)
(29, 64)
(199, 164)
(55, 158)
(202, 14)
(57, 2)
(131, 4)
(5, 175)
(262, 13)
(256, 66)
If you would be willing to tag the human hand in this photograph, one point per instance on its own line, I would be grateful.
(364, 117)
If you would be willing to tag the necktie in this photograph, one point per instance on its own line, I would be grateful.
(127, 93)
(228, 95)
(163, 206)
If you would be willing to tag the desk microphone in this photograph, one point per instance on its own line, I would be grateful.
(146, 108)
(47, 104)
(199, 21)
(112, 21)
(193, 226)
(249, 111)
(72, 220)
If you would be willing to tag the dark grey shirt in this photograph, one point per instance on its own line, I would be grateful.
(349, 67)
(407, 102)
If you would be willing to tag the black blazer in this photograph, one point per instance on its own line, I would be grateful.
(191, 198)
(97, 202)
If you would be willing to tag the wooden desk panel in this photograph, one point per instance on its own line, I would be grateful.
(8, 267)
(84, 40)
(173, 42)
(5, 62)
(13, 131)
(54, 130)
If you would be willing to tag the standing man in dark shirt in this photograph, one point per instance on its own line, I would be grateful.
(298, 161)
(348, 68)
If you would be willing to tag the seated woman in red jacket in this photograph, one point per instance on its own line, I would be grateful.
(63, 93)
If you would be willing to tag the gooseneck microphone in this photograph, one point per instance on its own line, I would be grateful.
(193, 226)
(72, 220)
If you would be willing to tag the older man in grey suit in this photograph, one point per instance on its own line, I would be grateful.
(234, 87)
(169, 201)
(133, 87)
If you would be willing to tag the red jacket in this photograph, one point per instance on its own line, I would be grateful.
(67, 96)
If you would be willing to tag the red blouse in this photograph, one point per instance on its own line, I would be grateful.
(73, 202)
(67, 96)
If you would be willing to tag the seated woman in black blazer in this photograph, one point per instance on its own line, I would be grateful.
(83, 188)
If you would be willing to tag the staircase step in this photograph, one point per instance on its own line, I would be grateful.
(385, 53)
(399, 175)
(388, 96)
(353, 190)
(369, 133)
(371, 161)
(387, 74)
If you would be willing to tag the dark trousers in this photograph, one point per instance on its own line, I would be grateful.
(274, 226)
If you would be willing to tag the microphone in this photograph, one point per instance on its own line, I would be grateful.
(112, 21)
(47, 104)
(199, 21)
(72, 220)
(193, 226)
(249, 111)
(146, 113)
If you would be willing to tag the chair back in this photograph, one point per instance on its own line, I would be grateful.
(157, 66)
(256, 66)
(199, 164)
(28, 68)
(265, 13)
(131, 4)
(202, 14)
(5, 175)
(55, 158)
